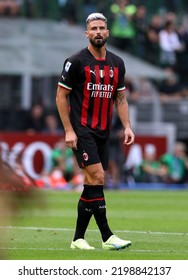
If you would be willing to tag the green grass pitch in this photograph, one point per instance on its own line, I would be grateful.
(155, 221)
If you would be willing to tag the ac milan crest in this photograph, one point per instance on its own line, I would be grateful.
(85, 156)
(111, 73)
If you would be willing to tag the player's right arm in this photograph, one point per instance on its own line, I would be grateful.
(63, 109)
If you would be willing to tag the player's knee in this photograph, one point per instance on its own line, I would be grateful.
(98, 176)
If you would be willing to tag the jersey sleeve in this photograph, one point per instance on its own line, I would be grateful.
(121, 83)
(68, 74)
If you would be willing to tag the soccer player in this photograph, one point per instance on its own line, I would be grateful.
(93, 79)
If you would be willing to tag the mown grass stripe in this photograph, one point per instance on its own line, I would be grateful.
(93, 230)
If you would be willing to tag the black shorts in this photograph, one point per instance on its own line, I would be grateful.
(92, 149)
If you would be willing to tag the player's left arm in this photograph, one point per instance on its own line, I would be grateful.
(123, 113)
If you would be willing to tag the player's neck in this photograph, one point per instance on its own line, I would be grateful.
(98, 53)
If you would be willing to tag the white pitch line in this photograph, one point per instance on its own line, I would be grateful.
(65, 249)
(93, 230)
(155, 232)
(33, 249)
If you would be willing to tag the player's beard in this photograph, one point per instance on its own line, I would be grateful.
(98, 43)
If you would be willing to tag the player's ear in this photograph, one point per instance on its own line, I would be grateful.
(86, 33)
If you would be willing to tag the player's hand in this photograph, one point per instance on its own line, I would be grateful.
(71, 139)
(129, 136)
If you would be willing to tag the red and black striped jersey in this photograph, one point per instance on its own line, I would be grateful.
(93, 85)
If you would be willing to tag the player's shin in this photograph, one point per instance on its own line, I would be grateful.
(98, 205)
(84, 216)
